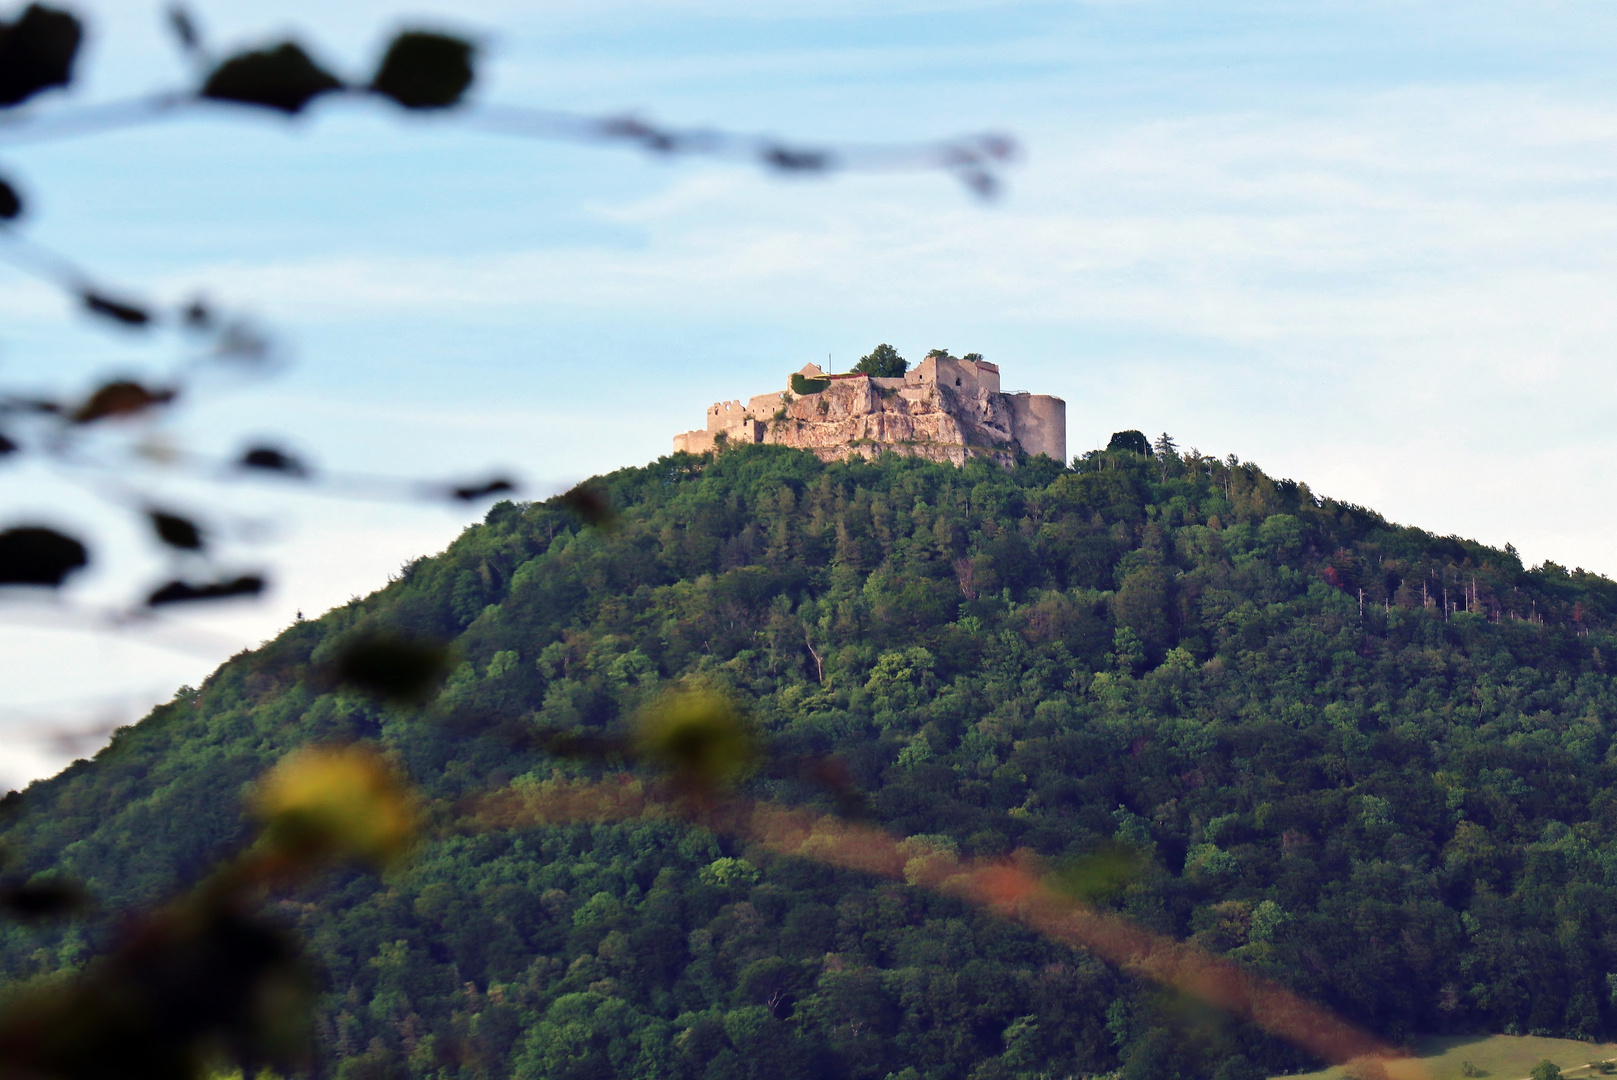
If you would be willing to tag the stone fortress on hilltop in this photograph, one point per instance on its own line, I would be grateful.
(944, 409)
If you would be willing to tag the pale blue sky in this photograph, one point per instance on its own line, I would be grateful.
(1367, 245)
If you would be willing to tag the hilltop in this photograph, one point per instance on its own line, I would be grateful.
(1369, 761)
(946, 408)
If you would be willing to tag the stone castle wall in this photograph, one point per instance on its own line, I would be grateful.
(945, 409)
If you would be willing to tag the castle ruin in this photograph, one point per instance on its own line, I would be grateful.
(944, 409)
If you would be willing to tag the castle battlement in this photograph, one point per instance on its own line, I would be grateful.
(943, 409)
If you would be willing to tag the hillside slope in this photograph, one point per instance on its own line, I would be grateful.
(1366, 760)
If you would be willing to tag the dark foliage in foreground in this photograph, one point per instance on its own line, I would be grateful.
(1366, 760)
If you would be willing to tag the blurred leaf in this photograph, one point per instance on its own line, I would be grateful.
(195, 980)
(592, 506)
(176, 531)
(32, 555)
(833, 775)
(424, 70)
(1100, 875)
(36, 53)
(157, 448)
(397, 668)
(39, 901)
(787, 159)
(336, 803)
(241, 341)
(116, 310)
(10, 202)
(121, 398)
(270, 459)
(983, 183)
(39, 406)
(282, 78)
(698, 737)
(574, 743)
(180, 592)
(482, 491)
(648, 136)
(184, 28)
(7, 446)
(998, 147)
(197, 315)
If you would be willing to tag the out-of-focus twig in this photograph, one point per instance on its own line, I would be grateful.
(1011, 888)
(976, 159)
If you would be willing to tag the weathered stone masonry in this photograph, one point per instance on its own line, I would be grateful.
(945, 409)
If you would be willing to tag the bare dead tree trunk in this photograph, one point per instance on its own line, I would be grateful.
(819, 667)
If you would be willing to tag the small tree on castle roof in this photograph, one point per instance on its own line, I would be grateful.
(882, 363)
(938, 354)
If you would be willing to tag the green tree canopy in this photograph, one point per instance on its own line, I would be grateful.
(883, 362)
(1154, 675)
(1134, 441)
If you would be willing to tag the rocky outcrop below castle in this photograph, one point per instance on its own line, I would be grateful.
(946, 409)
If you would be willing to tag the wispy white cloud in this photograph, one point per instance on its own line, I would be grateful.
(1405, 219)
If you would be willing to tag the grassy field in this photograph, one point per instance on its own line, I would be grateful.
(1499, 1057)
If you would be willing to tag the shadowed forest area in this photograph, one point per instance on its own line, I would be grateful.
(1366, 761)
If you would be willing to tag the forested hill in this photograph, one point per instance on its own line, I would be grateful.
(1366, 760)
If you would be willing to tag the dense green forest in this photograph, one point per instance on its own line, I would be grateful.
(1365, 760)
